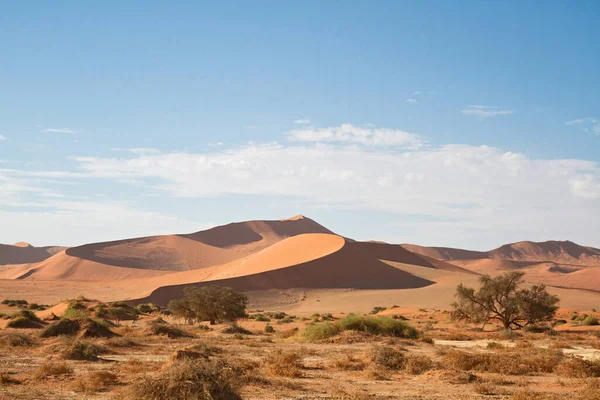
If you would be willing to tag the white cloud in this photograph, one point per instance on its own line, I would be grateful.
(412, 101)
(351, 134)
(418, 92)
(57, 130)
(587, 124)
(304, 121)
(472, 196)
(484, 111)
(2, 137)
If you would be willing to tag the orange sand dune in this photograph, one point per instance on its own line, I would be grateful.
(564, 252)
(352, 265)
(156, 255)
(549, 273)
(24, 253)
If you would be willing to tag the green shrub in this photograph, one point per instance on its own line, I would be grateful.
(144, 308)
(378, 326)
(590, 320)
(319, 331)
(63, 326)
(234, 328)
(261, 318)
(269, 329)
(74, 313)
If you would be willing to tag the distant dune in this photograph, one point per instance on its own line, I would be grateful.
(24, 253)
(564, 252)
(280, 262)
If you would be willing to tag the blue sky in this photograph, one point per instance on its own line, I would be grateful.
(418, 122)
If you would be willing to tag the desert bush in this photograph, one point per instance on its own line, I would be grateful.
(377, 309)
(234, 328)
(349, 363)
(52, 369)
(578, 368)
(210, 303)
(560, 345)
(6, 379)
(92, 328)
(285, 363)
(22, 323)
(261, 318)
(95, 381)
(378, 326)
(417, 364)
(24, 319)
(534, 328)
(286, 320)
(500, 298)
(387, 357)
(206, 349)
(277, 315)
(19, 340)
(319, 331)
(75, 313)
(507, 362)
(269, 328)
(191, 380)
(590, 320)
(144, 308)
(14, 303)
(60, 327)
(82, 350)
(172, 332)
(495, 345)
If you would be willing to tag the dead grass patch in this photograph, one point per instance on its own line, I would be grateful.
(52, 370)
(285, 363)
(95, 381)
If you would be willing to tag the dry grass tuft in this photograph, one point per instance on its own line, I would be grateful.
(387, 357)
(285, 363)
(52, 370)
(578, 368)
(417, 364)
(95, 381)
(507, 362)
(190, 380)
(349, 363)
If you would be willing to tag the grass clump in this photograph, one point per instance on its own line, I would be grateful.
(81, 350)
(285, 363)
(377, 309)
(319, 331)
(353, 322)
(578, 368)
(95, 381)
(590, 320)
(508, 362)
(191, 380)
(269, 329)
(63, 326)
(172, 332)
(24, 319)
(15, 339)
(349, 363)
(236, 329)
(387, 357)
(52, 370)
(14, 303)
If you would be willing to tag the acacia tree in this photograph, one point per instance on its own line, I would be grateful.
(500, 298)
(210, 303)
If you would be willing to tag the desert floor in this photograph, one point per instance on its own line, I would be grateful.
(447, 361)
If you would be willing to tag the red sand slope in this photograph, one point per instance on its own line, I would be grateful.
(349, 265)
(156, 255)
(563, 252)
(24, 253)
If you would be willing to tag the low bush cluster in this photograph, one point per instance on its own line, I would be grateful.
(354, 322)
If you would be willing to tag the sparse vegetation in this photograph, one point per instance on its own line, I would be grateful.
(285, 363)
(190, 379)
(501, 299)
(210, 303)
(52, 370)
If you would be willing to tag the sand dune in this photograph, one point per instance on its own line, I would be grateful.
(24, 253)
(156, 255)
(351, 266)
(564, 252)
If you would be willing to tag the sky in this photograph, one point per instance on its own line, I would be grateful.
(468, 124)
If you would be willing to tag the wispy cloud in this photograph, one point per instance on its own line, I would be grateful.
(484, 111)
(2, 137)
(304, 121)
(59, 130)
(586, 124)
(412, 101)
(351, 134)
